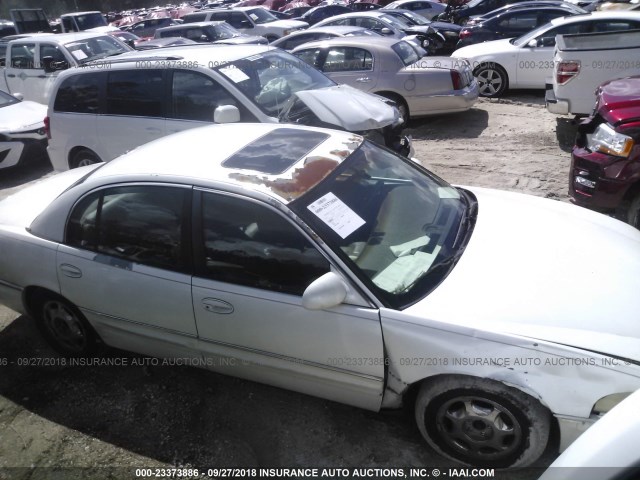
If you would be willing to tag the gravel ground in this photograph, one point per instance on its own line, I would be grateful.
(102, 422)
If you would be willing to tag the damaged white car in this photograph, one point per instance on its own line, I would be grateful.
(22, 133)
(317, 261)
(102, 111)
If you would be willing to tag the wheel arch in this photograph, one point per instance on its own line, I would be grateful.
(390, 94)
(75, 150)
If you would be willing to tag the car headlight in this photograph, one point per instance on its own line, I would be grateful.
(606, 140)
(605, 404)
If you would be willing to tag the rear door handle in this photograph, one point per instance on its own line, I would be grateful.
(215, 305)
(11, 75)
(70, 271)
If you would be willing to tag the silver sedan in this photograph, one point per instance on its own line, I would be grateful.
(393, 68)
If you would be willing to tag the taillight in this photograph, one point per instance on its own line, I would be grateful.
(47, 127)
(456, 79)
(464, 33)
(565, 71)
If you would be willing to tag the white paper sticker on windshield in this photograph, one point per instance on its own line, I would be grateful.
(234, 74)
(253, 16)
(336, 214)
(79, 54)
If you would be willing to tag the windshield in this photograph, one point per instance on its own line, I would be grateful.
(269, 79)
(415, 19)
(527, 37)
(95, 48)
(395, 224)
(260, 16)
(6, 99)
(224, 31)
(90, 20)
(397, 22)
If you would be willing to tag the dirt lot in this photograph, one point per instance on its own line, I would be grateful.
(88, 421)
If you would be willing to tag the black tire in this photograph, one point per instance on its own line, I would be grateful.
(400, 102)
(633, 212)
(482, 422)
(492, 80)
(84, 157)
(64, 327)
(271, 38)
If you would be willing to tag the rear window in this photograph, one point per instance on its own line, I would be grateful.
(195, 17)
(277, 151)
(406, 53)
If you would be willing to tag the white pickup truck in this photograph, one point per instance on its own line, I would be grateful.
(33, 63)
(584, 61)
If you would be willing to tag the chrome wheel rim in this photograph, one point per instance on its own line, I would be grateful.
(490, 82)
(480, 428)
(64, 326)
(85, 161)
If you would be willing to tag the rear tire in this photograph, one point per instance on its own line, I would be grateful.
(64, 327)
(83, 158)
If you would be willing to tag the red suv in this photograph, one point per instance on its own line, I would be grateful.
(605, 166)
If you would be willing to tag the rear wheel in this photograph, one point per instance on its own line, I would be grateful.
(83, 158)
(492, 80)
(64, 327)
(482, 422)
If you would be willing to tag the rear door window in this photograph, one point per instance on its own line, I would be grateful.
(136, 93)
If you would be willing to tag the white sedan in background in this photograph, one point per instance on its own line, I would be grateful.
(318, 261)
(527, 61)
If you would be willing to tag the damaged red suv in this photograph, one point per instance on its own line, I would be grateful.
(605, 166)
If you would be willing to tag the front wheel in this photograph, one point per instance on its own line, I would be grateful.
(401, 104)
(482, 422)
(492, 80)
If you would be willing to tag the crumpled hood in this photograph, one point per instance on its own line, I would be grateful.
(243, 40)
(22, 116)
(546, 270)
(620, 100)
(288, 24)
(349, 108)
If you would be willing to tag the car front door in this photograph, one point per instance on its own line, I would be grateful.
(45, 80)
(352, 66)
(21, 67)
(252, 267)
(125, 263)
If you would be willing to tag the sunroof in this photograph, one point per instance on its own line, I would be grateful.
(276, 151)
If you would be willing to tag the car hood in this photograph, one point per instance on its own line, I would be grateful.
(22, 116)
(349, 108)
(425, 29)
(104, 29)
(243, 40)
(287, 24)
(537, 268)
(491, 48)
(445, 26)
(620, 101)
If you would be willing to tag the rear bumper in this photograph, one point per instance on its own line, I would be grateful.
(555, 105)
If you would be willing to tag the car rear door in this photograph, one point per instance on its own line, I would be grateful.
(134, 112)
(352, 66)
(252, 266)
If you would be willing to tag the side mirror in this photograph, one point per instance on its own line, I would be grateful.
(18, 95)
(131, 43)
(245, 24)
(386, 31)
(325, 292)
(226, 114)
(50, 66)
(532, 44)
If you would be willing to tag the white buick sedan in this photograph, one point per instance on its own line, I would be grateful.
(317, 261)
(527, 61)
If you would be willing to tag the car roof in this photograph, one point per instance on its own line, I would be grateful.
(165, 159)
(375, 42)
(191, 25)
(64, 37)
(200, 53)
(330, 29)
(612, 15)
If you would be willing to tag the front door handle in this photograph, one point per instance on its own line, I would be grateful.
(363, 80)
(70, 271)
(215, 305)
(11, 75)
